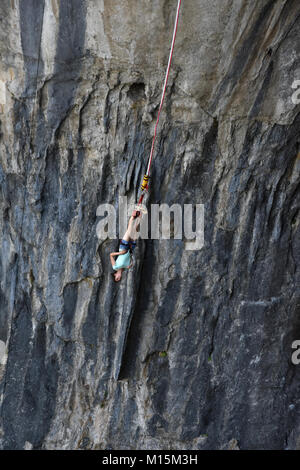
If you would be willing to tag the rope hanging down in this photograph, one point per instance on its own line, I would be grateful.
(145, 182)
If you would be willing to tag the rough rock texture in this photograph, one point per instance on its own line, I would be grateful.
(193, 349)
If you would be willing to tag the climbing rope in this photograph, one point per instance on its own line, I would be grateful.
(145, 182)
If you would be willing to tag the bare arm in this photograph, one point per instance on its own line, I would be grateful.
(116, 253)
(112, 259)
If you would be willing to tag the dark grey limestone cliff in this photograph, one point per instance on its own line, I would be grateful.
(193, 349)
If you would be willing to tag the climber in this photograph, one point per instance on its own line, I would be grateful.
(127, 245)
(128, 242)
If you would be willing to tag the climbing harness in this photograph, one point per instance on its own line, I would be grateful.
(145, 183)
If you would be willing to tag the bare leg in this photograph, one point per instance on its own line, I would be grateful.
(131, 232)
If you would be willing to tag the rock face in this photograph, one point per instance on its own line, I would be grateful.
(193, 349)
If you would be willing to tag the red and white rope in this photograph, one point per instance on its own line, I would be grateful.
(165, 86)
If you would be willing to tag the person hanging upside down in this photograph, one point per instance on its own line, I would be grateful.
(127, 245)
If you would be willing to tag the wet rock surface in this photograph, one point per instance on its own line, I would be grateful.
(193, 349)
